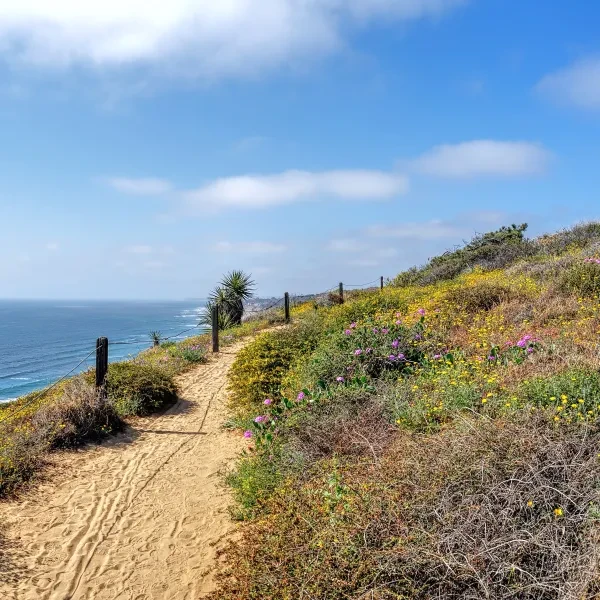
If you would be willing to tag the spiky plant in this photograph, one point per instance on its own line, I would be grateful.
(238, 287)
(235, 288)
(155, 336)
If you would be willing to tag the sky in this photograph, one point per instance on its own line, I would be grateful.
(148, 147)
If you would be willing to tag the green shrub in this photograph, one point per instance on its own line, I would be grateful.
(369, 348)
(574, 395)
(194, 354)
(252, 482)
(582, 279)
(259, 368)
(492, 250)
(139, 389)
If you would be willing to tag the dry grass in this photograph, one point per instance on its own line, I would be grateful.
(81, 415)
(489, 509)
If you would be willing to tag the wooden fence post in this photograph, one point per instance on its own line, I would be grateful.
(286, 305)
(215, 328)
(101, 364)
(341, 293)
(382, 282)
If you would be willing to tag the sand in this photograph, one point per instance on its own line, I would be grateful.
(138, 517)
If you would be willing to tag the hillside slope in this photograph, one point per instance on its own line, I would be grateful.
(437, 439)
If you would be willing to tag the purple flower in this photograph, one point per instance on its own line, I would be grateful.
(395, 344)
(521, 343)
(421, 311)
(375, 330)
(384, 330)
(418, 336)
(369, 350)
(352, 325)
(358, 352)
(491, 357)
(348, 332)
(340, 379)
(260, 419)
(301, 397)
(392, 357)
(398, 322)
(401, 356)
(437, 356)
(268, 402)
(247, 434)
(529, 350)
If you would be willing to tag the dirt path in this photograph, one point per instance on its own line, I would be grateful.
(139, 517)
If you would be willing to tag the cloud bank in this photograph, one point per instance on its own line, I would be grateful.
(577, 85)
(289, 187)
(483, 158)
(193, 37)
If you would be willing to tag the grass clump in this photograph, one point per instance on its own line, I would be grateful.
(583, 278)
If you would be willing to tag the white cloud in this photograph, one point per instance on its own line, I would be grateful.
(52, 246)
(250, 247)
(140, 249)
(578, 84)
(262, 191)
(140, 187)
(483, 158)
(192, 37)
(345, 245)
(428, 230)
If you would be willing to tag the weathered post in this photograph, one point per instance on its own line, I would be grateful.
(101, 364)
(382, 282)
(286, 305)
(341, 293)
(215, 328)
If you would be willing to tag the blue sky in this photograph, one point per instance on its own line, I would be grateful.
(148, 149)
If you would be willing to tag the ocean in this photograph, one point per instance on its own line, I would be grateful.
(40, 341)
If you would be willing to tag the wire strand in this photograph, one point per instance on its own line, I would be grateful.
(350, 285)
(46, 390)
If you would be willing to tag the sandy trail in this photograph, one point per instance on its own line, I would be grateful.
(138, 517)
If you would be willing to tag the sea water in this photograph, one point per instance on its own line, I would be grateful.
(40, 341)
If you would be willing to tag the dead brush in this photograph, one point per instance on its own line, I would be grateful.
(516, 518)
(352, 425)
(494, 509)
(80, 415)
(481, 296)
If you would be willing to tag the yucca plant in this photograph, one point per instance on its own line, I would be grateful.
(235, 288)
(156, 337)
